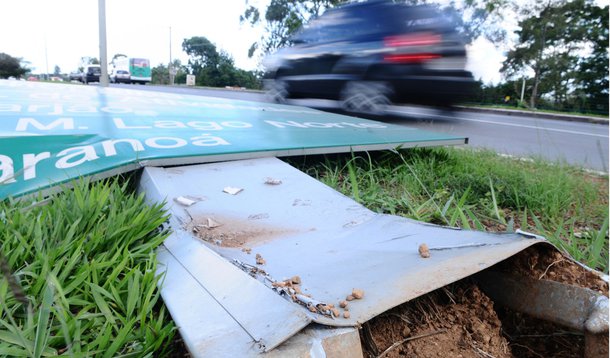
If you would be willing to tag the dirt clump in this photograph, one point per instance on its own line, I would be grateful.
(455, 321)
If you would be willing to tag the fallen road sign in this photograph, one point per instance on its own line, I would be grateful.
(53, 133)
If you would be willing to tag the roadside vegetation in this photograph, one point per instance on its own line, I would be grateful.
(79, 275)
(79, 268)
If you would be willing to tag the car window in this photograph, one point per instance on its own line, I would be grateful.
(379, 19)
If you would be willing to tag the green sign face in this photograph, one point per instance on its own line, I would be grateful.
(53, 133)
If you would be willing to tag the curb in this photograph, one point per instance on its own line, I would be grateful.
(556, 116)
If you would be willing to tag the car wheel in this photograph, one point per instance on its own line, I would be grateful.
(366, 97)
(276, 91)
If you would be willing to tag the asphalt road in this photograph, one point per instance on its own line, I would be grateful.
(578, 143)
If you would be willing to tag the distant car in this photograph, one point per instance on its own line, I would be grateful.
(91, 73)
(370, 54)
(120, 76)
(75, 76)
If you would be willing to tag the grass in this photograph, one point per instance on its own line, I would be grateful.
(78, 270)
(82, 275)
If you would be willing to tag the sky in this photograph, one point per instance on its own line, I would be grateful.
(59, 32)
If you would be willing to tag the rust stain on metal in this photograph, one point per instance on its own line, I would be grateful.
(235, 233)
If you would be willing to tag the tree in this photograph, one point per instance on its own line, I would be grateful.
(283, 19)
(201, 53)
(552, 40)
(160, 73)
(592, 74)
(473, 18)
(117, 55)
(213, 67)
(86, 60)
(11, 66)
(57, 71)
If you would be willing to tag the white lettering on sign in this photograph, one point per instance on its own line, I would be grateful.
(81, 109)
(158, 142)
(29, 163)
(78, 155)
(285, 124)
(66, 104)
(24, 122)
(115, 110)
(7, 169)
(57, 109)
(82, 154)
(118, 122)
(167, 124)
(207, 140)
(110, 146)
(9, 107)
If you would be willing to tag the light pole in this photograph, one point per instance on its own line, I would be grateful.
(522, 90)
(46, 58)
(103, 56)
(170, 67)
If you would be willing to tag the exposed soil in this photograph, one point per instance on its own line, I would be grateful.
(531, 338)
(455, 321)
(459, 320)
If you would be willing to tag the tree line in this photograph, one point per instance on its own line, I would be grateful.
(212, 67)
(559, 59)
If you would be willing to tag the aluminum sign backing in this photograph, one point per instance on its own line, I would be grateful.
(246, 226)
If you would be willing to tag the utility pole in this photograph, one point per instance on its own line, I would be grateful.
(46, 58)
(170, 67)
(103, 56)
(522, 90)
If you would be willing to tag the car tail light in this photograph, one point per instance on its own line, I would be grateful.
(411, 48)
(420, 39)
(411, 58)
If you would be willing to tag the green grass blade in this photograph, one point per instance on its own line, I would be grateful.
(353, 179)
(599, 241)
(13, 352)
(42, 326)
(133, 293)
(120, 339)
(12, 338)
(495, 203)
(102, 305)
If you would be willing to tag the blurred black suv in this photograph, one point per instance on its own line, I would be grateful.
(371, 54)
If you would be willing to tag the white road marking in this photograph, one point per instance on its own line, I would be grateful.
(534, 127)
(514, 125)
